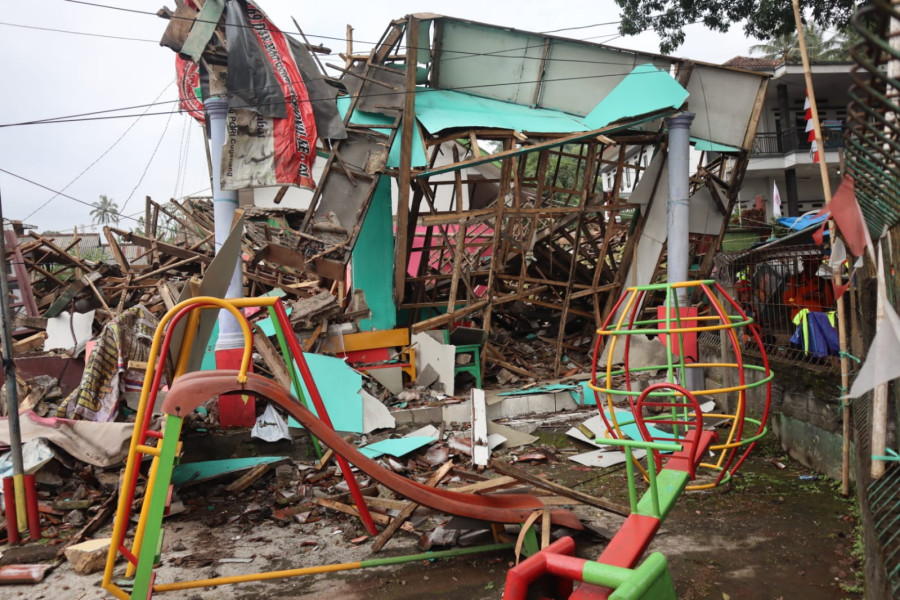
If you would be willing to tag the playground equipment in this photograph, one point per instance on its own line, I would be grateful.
(674, 453)
(678, 327)
(190, 390)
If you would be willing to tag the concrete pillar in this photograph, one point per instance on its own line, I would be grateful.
(679, 214)
(787, 129)
(225, 204)
(678, 207)
(793, 198)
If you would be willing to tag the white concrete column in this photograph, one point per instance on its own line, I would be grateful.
(679, 212)
(225, 203)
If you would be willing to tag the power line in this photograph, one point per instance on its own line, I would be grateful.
(76, 119)
(73, 198)
(183, 148)
(87, 114)
(84, 33)
(504, 53)
(581, 27)
(345, 39)
(99, 158)
(149, 162)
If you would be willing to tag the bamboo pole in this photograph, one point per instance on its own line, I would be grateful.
(836, 276)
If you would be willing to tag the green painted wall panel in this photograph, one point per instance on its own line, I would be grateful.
(373, 261)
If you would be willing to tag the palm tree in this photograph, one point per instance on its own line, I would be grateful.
(105, 211)
(819, 44)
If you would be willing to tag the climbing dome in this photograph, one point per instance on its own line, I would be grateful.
(634, 403)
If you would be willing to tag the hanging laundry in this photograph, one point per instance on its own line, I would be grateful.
(815, 333)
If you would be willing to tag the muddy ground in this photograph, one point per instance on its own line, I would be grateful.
(773, 533)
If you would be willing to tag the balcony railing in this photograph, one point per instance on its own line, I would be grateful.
(772, 143)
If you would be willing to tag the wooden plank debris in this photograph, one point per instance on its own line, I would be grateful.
(410, 508)
(559, 489)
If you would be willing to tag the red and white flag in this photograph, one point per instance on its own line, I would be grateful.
(811, 130)
(776, 201)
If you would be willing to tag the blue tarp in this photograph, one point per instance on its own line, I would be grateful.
(800, 223)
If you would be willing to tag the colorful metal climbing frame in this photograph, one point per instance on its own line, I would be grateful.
(677, 327)
(147, 539)
(676, 438)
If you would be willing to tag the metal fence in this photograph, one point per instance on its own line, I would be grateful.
(787, 291)
(873, 159)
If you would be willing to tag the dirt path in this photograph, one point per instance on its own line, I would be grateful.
(770, 535)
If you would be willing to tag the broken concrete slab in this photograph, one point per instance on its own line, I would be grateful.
(60, 331)
(426, 376)
(428, 431)
(604, 458)
(391, 378)
(88, 557)
(642, 352)
(481, 452)
(513, 437)
(441, 357)
(508, 407)
(375, 414)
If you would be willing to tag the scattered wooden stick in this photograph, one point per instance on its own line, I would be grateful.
(246, 480)
(324, 460)
(410, 508)
(353, 511)
(562, 490)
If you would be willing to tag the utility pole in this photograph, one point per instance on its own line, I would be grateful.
(12, 393)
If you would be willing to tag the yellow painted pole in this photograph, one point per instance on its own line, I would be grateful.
(836, 275)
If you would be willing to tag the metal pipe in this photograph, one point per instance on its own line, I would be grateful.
(12, 392)
(225, 203)
(31, 503)
(363, 564)
(9, 501)
(678, 205)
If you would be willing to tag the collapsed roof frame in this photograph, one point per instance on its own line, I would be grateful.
(470, 258)
(548, 104)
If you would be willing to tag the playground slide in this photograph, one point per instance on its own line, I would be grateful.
(192, 389)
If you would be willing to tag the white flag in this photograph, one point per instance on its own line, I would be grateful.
(776, 201)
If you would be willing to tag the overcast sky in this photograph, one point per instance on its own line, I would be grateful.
(51, 74)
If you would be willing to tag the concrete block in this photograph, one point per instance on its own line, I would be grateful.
(88, 557)
(565, 401)
(419, 416)
(425, 416)
(541, 403)
(460, 413)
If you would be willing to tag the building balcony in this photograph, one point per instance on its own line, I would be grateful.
(780, 144)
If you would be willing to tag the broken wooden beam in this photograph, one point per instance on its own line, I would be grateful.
(410, 508)
(32, 342)
(247, 479)
(561, 490)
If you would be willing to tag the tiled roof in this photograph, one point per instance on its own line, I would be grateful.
(753, 63)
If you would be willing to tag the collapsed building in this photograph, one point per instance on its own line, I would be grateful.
(477, 180)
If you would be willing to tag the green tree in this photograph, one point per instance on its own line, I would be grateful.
(820, 45)
(763, 19)
(105, 211)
